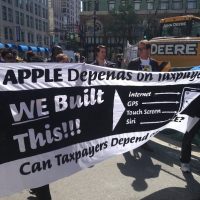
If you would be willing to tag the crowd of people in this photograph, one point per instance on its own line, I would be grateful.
(58, 55)
(9, 55)
(143, 63)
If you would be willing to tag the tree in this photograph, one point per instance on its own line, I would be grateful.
(151, 27)
(123, 23)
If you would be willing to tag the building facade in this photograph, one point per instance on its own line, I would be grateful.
(37, 23)
(96, 13)
(71, 22)
(64, 19)
(71, 11)
(55, 21)
(144, 6)
(24, 22)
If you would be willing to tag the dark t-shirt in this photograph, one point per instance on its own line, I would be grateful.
(193, 110)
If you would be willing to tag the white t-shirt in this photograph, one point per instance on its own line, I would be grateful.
(145, 64)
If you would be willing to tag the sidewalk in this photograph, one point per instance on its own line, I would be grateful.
(135, 175)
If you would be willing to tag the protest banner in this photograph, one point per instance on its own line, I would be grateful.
(57, 119)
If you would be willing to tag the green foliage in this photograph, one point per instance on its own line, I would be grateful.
(127, 14)
(122, 22)
(70, 36)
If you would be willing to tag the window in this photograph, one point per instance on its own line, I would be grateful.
(44, 2)
(17, 17)
(22, 36)
(29, 37)
(64, 10)
(36, 24)
(39, 39)
(111, 5)
(10, 1)
(27, 5)
(22, 18)
(177, 4)
(150, 4)
(44, 26)
(10, 33)
(31, 22)
(179, 29)
(32, 38)
(46, 40)
(164, 4)
(4, 13)
(17, 3)
(27, 20)
(43, 13)
(36, 9)
(97, 5)
(123, 2)
(137, 4)
(39, 10)
(31, 7)
(10, 15)
(6, 33)
(46, 14)
(191, 4)
(195, 31)
(17, 33)
(21, 4)
(84, 6)
(40, 25)
(89, 5)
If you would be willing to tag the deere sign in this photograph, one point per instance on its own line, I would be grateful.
(174, 49)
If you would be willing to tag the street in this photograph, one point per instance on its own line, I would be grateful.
(138, 175)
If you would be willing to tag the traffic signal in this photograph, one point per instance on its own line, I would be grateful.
(69, 36)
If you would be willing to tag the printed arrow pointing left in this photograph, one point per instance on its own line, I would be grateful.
(118, 109)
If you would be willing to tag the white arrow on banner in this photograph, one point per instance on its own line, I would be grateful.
(160, 93)
(160, 102)
(118, 109)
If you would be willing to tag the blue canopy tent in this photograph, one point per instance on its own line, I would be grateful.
(12, 46)
(1, 45)
(32, 48)
(41, 49)
(23, 48)
(46, 50)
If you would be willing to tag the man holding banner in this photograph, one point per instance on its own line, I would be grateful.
(101, 57)
(144, 63)
(189, 135)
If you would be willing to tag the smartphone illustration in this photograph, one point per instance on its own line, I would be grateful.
(188, 95)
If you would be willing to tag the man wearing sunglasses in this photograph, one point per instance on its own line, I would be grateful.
(144, 62)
